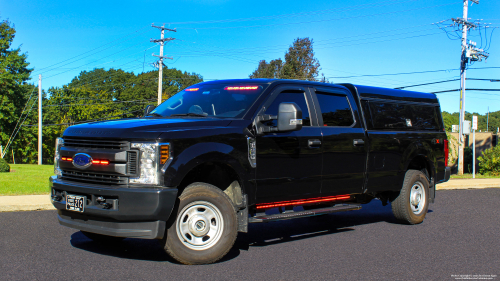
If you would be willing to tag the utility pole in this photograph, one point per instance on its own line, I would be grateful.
(487, 119)
(469, 53)
(40, 119)
(161, 57)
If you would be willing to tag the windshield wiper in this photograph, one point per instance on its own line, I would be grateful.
(190, 114)
(154, 114)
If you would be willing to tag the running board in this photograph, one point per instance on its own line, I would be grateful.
(301, 214)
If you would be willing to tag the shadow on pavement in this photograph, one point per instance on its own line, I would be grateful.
(130, 248)
(259, 234)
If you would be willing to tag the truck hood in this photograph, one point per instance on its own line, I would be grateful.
(141, 128)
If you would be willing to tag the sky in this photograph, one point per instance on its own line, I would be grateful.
(358, 42)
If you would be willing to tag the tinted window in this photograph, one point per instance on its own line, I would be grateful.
(213, 100)
(404, 116)
(290, 96)
(390, 115)
(335, 109)
(367, 114)
(426, 117)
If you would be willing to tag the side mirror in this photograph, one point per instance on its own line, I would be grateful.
(289, 117)
(148, 109)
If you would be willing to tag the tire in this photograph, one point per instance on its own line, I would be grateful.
(205, 227)
(412, 203)
(99, 238)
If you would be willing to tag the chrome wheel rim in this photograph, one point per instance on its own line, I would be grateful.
(200, 225)
(417, 198)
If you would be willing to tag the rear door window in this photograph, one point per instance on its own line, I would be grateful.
(335, 109)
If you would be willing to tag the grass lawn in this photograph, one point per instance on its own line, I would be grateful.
(26, 179)
(469, 176)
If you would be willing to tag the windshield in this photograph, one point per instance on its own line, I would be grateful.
(214, 100)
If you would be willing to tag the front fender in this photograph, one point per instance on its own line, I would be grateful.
(200, 153)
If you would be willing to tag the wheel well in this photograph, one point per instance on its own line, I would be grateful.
(217, 174)
(420, 163)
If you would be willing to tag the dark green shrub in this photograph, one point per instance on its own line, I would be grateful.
(489, 162)
(4, 167)
(468, 160)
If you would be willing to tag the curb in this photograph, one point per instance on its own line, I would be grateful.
(466, 187)
(25, 203)
(469, 184)
(16, 208)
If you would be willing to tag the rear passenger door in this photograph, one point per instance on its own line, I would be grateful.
(344, 142)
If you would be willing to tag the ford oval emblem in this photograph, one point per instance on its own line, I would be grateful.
(82, 160)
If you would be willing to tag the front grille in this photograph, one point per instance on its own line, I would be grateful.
(96, 144)
(132, 162)
(94, 177)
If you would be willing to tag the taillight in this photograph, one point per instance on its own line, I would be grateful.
(191, 89)
(446, 152)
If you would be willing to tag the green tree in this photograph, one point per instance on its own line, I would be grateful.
(114, 81)
(449, 119)
(299, 63)
(14, 91)
(273, 69)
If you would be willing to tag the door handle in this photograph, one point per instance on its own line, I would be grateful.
(358, 142)
(314, 143)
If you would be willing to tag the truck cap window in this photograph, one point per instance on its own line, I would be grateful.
(335, 109)
(404, 116)
(213, 100)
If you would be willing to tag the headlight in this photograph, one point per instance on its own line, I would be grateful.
(148, 163)
(57, 156)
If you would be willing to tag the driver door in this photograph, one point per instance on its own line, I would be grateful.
(288, 166)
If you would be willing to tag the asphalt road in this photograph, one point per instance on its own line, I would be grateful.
(460, 236)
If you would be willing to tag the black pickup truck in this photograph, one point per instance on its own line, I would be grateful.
(197, 169)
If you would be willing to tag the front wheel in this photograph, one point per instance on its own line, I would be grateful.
(412, 203)
(205, 228)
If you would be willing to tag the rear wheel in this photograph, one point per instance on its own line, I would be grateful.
(205, 228)
(412, 203)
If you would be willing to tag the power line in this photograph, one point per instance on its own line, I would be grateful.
(316, 21)
(392, 74)
(86, 121)
(20, 116)
(12, 139)
(112, 102)
(316, 42)
(414, 72)
(94, 61)
(297, 14)
(480, 79)
(399, 88)
(337, 42)
(454, 90)
(119, 39)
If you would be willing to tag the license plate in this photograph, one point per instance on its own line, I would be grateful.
(75, 203)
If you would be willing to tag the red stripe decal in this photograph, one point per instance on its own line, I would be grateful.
(302, 201)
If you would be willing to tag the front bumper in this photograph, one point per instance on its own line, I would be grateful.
(139, 212)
